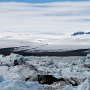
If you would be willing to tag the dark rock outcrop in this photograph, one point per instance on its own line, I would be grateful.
(16, 62)
(49, 79)
(46, 79)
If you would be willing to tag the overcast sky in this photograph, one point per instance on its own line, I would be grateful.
(48, 18)
(40, 1)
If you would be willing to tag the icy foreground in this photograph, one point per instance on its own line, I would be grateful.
(19, 85)
(22, 75)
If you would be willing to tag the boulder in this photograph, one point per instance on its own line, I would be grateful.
(42, 79)
(49, 79)
(46, 79)
(16, 62)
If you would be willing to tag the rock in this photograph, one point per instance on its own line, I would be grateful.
(32, 78)
(46, 79)
(42, 79)
(49, 79)
(87, 65)
(16, 62)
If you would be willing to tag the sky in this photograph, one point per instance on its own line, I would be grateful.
(39, 1)
(45, 18)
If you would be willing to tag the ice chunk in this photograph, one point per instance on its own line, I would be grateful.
(85, 85)
(68, 88)
(1, 78)
(10, 60)
(20, 85)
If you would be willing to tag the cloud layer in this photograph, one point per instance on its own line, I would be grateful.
(48, 18)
